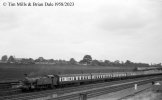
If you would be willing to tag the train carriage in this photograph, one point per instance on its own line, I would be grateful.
(74, 78)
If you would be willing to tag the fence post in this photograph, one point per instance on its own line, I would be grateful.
(83, 96)
(135, 86)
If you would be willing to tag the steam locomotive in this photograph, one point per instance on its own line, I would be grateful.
(52, 81)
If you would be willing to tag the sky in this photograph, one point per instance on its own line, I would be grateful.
(105, 29)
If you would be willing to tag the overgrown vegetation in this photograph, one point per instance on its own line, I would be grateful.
(87, 60)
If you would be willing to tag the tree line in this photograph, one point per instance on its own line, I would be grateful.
(87, 60)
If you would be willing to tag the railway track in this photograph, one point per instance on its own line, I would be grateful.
(8, 84)
(57, 93)
(8, 87)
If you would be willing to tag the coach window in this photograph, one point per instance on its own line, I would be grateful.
(64, 78)
(82, 77)
(117, 75)
(85, 77)
(71, 78)
(114, 75)
(67, 78)
(76, 77)
(60, 79)
(88, 77)
(121, 74)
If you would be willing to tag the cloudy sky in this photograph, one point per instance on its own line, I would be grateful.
(105, 29)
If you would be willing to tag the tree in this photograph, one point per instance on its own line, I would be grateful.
(95, 63)
(4, 58)
(72, 61)
(117, 63)
(40, 59)
(128, 62)
(87, 59)
(107, 63)
(11, 59)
